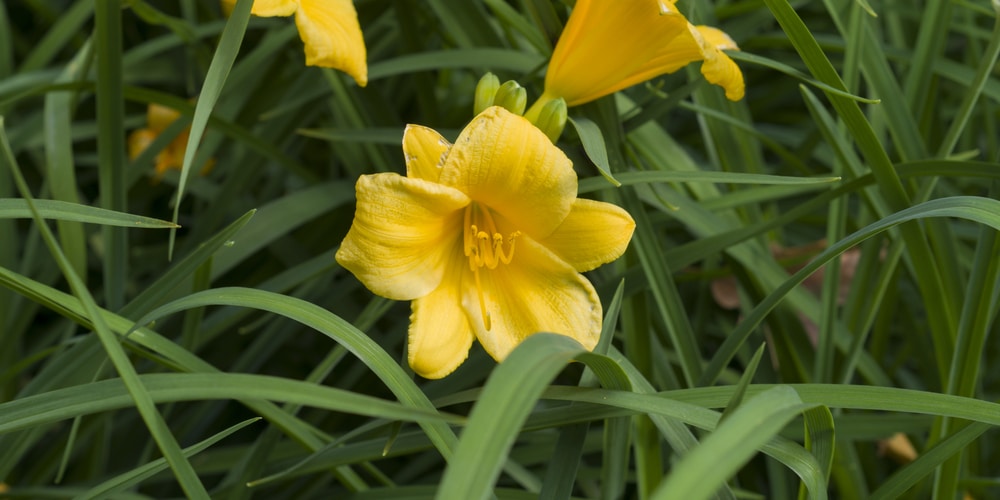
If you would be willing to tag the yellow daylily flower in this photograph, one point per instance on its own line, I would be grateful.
(486, 237)
(158, 118)
(608, 46)
(328, 28)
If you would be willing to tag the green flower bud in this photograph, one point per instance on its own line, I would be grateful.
(486, 90)
(551, 118)
(512, 97)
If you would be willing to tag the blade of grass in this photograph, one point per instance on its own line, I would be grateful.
(820, 440)
(115, 485)
(218, 70)
(971, 95)
(940, 315)
(665, 293)
(592, 184)
(730, 445)
(17, 208)
(929, 460)
(982, 210)
(185, 474)
(61, 171)
(741, 387)
(111, 144)
(330, 325)
(105, 395)
(509, 395)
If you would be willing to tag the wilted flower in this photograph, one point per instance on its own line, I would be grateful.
(328, 28)
(158, 118)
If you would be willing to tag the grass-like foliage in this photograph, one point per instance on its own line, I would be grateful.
(807, 308)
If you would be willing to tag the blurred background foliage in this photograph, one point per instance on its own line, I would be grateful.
(730, 200)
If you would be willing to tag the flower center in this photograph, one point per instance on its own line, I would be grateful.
(485, 247)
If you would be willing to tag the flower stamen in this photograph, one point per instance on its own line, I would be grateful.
(484, 247)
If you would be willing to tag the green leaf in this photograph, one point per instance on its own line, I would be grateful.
(135, 476)
(982, 210)
(16, 208)
(222, 63)
(745, 379)
(720, 455)
(820, 440)
(593, 145)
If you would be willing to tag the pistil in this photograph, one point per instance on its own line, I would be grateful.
(485, 247)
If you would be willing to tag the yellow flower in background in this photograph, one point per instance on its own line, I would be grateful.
(486, 237)
(607, 46)
(328, 28)
(158, 118)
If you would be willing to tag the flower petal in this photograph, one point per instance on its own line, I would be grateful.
(440, 336)
(139, 140)
(265, 8)
(403, 234)
(503, 161)
(606, 45)
(536, 292)
(593, 233)
(425, 151)
(718, 67)
(332, 36)
(159, 117)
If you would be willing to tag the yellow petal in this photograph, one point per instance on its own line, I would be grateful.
(138, 141)
(606, 46)
(536, 292)
(503, 161)
(266, 8)
(159, 117)
(403, 233)
(718, 67)
(717, 38)
(593, 233)
(332, 36)
(440, 336)
(425, 151)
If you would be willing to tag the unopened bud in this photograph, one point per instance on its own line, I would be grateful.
(552, 118)
(486, 91)
(512, 97)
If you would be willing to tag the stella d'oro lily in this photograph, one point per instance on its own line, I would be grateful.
(486, 237)
(608, 46)
(329, 30)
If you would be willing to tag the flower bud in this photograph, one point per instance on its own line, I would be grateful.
(486, 90)
(512, 97)
(551, 118)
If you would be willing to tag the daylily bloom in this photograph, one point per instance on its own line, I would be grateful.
(486, 237)
(328, 28)
(158, 118)
(607, 46)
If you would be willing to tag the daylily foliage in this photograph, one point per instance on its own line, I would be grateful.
(328, 28)
(607, 46)
(486, 237)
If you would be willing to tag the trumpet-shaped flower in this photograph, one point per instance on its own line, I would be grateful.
(607, 46)
(328, 28)
(158, 118)
(486, 237)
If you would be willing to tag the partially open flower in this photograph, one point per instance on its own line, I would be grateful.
(486, 237)
(328, 28)
(607, 46)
